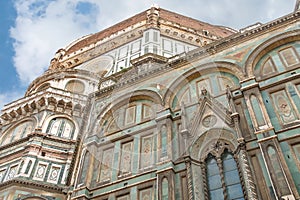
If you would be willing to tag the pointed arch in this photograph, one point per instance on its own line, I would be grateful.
(152, 102)
(199, 71)
(267, 46)
(143, 94)
(217, 151)
(202, 146)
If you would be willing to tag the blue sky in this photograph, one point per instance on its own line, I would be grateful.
(33, 30)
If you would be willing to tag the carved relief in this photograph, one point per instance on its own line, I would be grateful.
(283, 107)
(130, 115)
(204, 84)
(54, 174)
(40, 171)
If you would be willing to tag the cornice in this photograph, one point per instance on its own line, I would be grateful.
(52, 99)
(41, 135)
(210, 49)
(34, 184)
(61, 74)
(241, 37)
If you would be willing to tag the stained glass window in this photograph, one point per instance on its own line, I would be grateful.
(231, 176)
(213, 179)
(223, 179)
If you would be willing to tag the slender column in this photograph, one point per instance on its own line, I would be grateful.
(189, 178)
(205, 188)
(244, 169)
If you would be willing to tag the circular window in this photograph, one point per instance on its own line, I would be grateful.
(209, 121)
(75, 86)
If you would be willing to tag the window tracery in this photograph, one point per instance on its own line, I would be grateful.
(221, 173)
(61, 127)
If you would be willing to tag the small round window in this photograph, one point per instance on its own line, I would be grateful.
(75, 86)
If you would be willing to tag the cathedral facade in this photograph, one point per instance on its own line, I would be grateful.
(160, 106)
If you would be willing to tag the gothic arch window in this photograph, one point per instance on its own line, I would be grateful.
(16, 133)
(21, 166)
(61, 127)
(222, 175)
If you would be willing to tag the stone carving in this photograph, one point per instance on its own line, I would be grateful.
(40, 172)
(54, 174)
(284, 107)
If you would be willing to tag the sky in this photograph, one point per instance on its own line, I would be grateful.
(33, 30)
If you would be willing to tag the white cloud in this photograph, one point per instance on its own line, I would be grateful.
(8, 97)
(44, 26)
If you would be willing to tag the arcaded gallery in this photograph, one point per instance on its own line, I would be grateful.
(160, 106)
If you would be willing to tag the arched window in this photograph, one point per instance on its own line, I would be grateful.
(28, 167)
(257, 110)
(61, 127)
(19, 132)
(223, 181)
